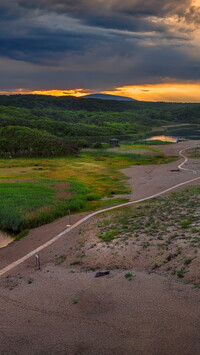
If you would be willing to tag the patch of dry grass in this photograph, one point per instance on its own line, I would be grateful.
(194, 152)
(159, 236)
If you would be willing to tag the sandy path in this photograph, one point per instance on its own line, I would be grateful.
(36, 237)
(149, 315)
(150, 179)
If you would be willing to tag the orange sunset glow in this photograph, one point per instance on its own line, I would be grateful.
(173, 92)
(196, 2)
(75, 92)
(170, 92)
(72, 92)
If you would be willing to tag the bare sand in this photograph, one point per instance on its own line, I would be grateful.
(61, 309)
(62, 312)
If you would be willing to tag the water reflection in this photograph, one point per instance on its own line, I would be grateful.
(5, 239)
(163, 139)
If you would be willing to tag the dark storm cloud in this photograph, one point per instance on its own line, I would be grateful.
(116, 14)
(89, 9)
(155, 7)
(41, 46)
(96, 44)
(130, 14)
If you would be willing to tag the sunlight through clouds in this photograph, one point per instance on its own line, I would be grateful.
(172, 92)
(55, 46)
(76, 92)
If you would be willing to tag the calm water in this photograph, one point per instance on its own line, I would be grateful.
(163, 139)
(187, 132)
(5, 239)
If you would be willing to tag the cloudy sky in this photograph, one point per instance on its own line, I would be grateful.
(146, 49)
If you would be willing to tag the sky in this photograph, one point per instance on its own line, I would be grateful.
(145, 49)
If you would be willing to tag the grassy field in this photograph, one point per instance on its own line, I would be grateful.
(159, 236)
(37, 191)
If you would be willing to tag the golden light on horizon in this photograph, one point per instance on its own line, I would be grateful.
(196, 2)
(74, 92)
(52, 92)
(171, 92)
(168, 92)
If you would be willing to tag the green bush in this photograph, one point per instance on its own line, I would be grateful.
(92, 197)
(108, 236)
(24, 141)
(187, 261)
(21, 235)
(129, 276)
(97, 145)
(180, 273)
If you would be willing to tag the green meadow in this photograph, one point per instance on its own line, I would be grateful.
(35, 191)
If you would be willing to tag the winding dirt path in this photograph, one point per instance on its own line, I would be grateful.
(84, 219)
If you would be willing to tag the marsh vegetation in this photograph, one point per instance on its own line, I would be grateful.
(35, 191)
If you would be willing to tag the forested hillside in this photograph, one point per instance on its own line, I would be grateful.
(70, 117)
(78, 104)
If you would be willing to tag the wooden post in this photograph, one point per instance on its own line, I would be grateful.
(37, 261)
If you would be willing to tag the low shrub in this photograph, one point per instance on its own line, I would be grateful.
(108, 236)
(21, 235)
(129, 276)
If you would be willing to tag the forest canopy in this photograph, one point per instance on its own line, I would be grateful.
(23, 141)
(93, 120)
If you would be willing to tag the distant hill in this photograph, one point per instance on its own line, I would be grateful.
(108, 97)
(96, 105)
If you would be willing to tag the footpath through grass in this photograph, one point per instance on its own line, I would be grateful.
(37, 191)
